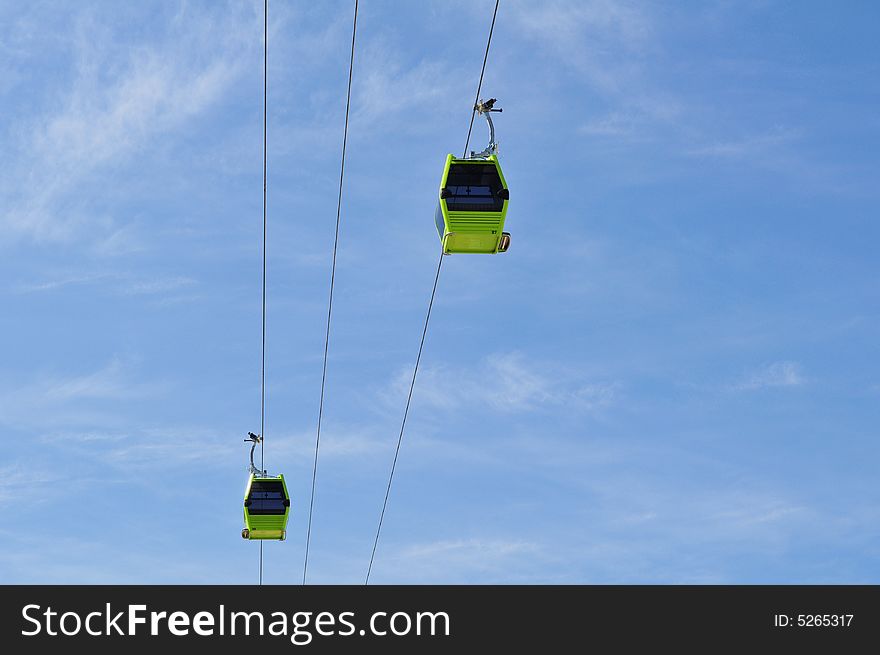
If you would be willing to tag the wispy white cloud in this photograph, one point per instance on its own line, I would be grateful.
(612, 47)
(117, 283)
(601, 38)
(759, 145)
(90, 559)
(352, 443)
(61, 282)
(120, 101)
(85, 437)
(122, 241)
(777, 374)
(750, 516)
(160, 285)
(104, 383)
(166, 448)
(493, 548)
(653, 529)
(17, 481)
(150, 448)
(476, 559)
(617, 124)
(506, 382)
(49, 400)
(618, 51)
(385, 89)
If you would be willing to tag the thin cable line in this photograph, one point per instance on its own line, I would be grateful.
(330, 301)
(403, 423)
(427, 319)
(263, 348)
(480, 84)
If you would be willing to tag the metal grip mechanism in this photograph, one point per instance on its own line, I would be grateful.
(484, 108)
(487, 105)
(254, 439)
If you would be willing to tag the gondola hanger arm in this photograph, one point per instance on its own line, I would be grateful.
(254, 439)
(485, 109)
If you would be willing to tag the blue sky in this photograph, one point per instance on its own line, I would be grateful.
(671, 377)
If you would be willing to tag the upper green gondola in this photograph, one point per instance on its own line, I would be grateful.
(473, 198)
(472, 206)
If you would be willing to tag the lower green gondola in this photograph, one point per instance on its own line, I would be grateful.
(472, 206)
(266, 508)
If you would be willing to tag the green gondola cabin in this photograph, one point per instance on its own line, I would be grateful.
(472, 206)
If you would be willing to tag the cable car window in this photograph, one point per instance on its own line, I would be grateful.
(473, 187)
(266, 498)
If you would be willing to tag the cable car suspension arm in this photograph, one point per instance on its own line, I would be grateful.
(254, 439)
(485, 108)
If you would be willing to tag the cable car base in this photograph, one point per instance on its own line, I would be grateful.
(473, 199)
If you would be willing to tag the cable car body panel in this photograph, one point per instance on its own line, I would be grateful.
(266, 507)
(472, 206)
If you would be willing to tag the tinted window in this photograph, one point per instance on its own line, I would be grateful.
(266, 497)
(473, 187)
